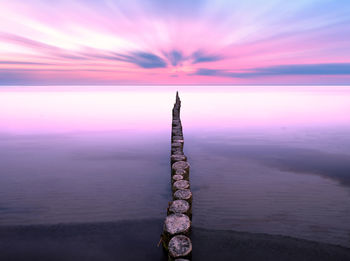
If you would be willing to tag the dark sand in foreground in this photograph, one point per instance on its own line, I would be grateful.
(137, 240)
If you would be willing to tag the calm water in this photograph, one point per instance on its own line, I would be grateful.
(264, 159)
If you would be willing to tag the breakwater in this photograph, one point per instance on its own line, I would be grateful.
(177, 225)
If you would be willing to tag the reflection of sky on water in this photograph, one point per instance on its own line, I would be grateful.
(64, 109)
(270, 189)
(262, 160)
(82, 177)
(300, 158)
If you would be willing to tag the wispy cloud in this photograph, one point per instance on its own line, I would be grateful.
(144, 60)
(201, 57)
(27, 42)
(175, 57)
(154, 40)
(22, 63)
(282, 70)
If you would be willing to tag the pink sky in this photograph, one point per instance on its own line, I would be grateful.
(52, 109)
(182, 42)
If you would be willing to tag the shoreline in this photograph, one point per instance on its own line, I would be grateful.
(137, 240)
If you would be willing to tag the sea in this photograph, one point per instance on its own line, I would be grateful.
(264, 159)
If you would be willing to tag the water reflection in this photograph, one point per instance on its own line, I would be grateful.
(297, 160)
(263, 159)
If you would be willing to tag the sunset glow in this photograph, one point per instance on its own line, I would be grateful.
(174, 42)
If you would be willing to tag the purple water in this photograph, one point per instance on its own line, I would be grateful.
(263, 159)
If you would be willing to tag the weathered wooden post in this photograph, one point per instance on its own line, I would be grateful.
(180, 246)
(177, 225)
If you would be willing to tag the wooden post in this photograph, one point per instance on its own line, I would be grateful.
(181, 184)
(181, 165)
(179, 207)
(175, 178)
(174, 158)
(177, 225)
(184, 194)
(180, 246)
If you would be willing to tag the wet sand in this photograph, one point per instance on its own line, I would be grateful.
(137, 240)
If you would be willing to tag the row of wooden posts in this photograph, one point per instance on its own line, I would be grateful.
(177, 225)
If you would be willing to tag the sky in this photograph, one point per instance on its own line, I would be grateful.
(137, 42)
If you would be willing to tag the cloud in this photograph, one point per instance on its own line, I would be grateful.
(150, 35)
(22, 63)
(210, 72)
(145, 60)
(175, 57)
(71, 56)
(142, 59)
(200, 57)
(54, 76)
(24, 41)
(282, 70)
(40, 46)
(307, 69)
(10, 77)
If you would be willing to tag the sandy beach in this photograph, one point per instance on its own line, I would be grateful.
(120, 240)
